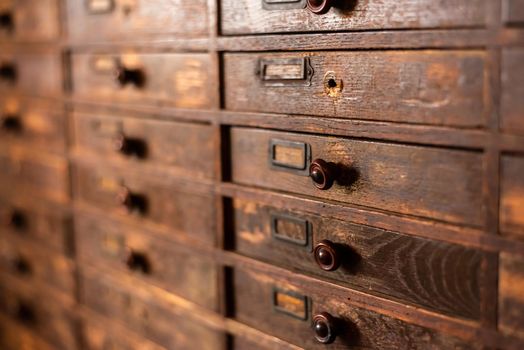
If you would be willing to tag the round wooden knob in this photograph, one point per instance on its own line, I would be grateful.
(326, 256)
(322, 174)
(319, 7)
(137, 261)
(6, 20)
(324, 328)
(8, 72)
(124, 198)
(16, 220)
(121, 143)
(10, 123)
(24, 312)
(126, 76)
(21, 265)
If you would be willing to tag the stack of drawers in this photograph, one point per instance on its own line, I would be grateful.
(262, 174)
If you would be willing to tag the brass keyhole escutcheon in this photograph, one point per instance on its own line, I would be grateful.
(332, 86)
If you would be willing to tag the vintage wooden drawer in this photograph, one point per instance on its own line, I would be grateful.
(103, 20)
(98, 336)
(183, 80)
(15, 337)
(39, 123)
(147, 315)
(512, 80)
(312, 320)
(389, 264)
(182, 205)
(513, 12)
(425, 87)
(31, 73)
(37, 221)
(176, 268)
(23, 172)
(512, 195)
(511, 299)
(270, 16)
(29, 20)
(429, 182)
(153, 142)
(41, 313)
(32, 263)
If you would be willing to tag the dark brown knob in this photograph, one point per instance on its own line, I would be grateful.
(137, 261)
(16, 219)
(126, 76)
(6, 21)
(324, 328)
(326, 255)
(8, 72)
(21, 265)
(129, 146)
(322, 173)
(24, 312)
(130, 201)
(319, 7)
(11, 123)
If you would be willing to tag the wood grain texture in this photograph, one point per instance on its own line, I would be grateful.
(513, 12)
(106, 242)
(358, 328)
(184, 206)
(424, 87)
(248, 16)
(145, 315)
(512, 80)
(141, 19)
(512, 196)
(438, 276)
(511, 299)
(186, 147)
(181, 80)
(428, 182)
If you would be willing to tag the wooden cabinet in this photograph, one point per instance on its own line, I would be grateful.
(261, 174)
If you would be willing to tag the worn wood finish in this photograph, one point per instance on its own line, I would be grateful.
(108, 20)
(31, 20)
(167, 79)
(25, 173)
(422, 181)
(40, 123)
(512, 104)
(109, 243)
(190, 211)
(31, 262)
(250, 16)
(148, 142)
(511, 299)
(438, 276)
(146, 316)
(513, 12)
(14, 336)
(359, 328)
(512, 196)
(37, 73)
(431, 87)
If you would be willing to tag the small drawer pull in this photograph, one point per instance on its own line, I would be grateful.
(21, 266)
(24, 313)
(16, 219)
(131, 202)
(324, 327)
(323, 174)
(6, 21)
(8, 72)
(137, 261)
(319, 7)
(129, 146)
(11, 123)
(326, 255)
(125, 76)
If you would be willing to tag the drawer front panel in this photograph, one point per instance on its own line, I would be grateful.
(29, 20)
(35, 122)
(175, 203)
(103, 20)
(513, 12)
(170, 79)
(264, 303)
(178, 270)
(439, 276)
(41, 223)
(47, 319)
(188, 148)
(511, 300)
(512, 80)
(32, 263)
(512, 196)
(425, 87)
(422, 181)
(22, 173)
(270, 16)
(35, 74)
(14, 336)
(143, 314)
